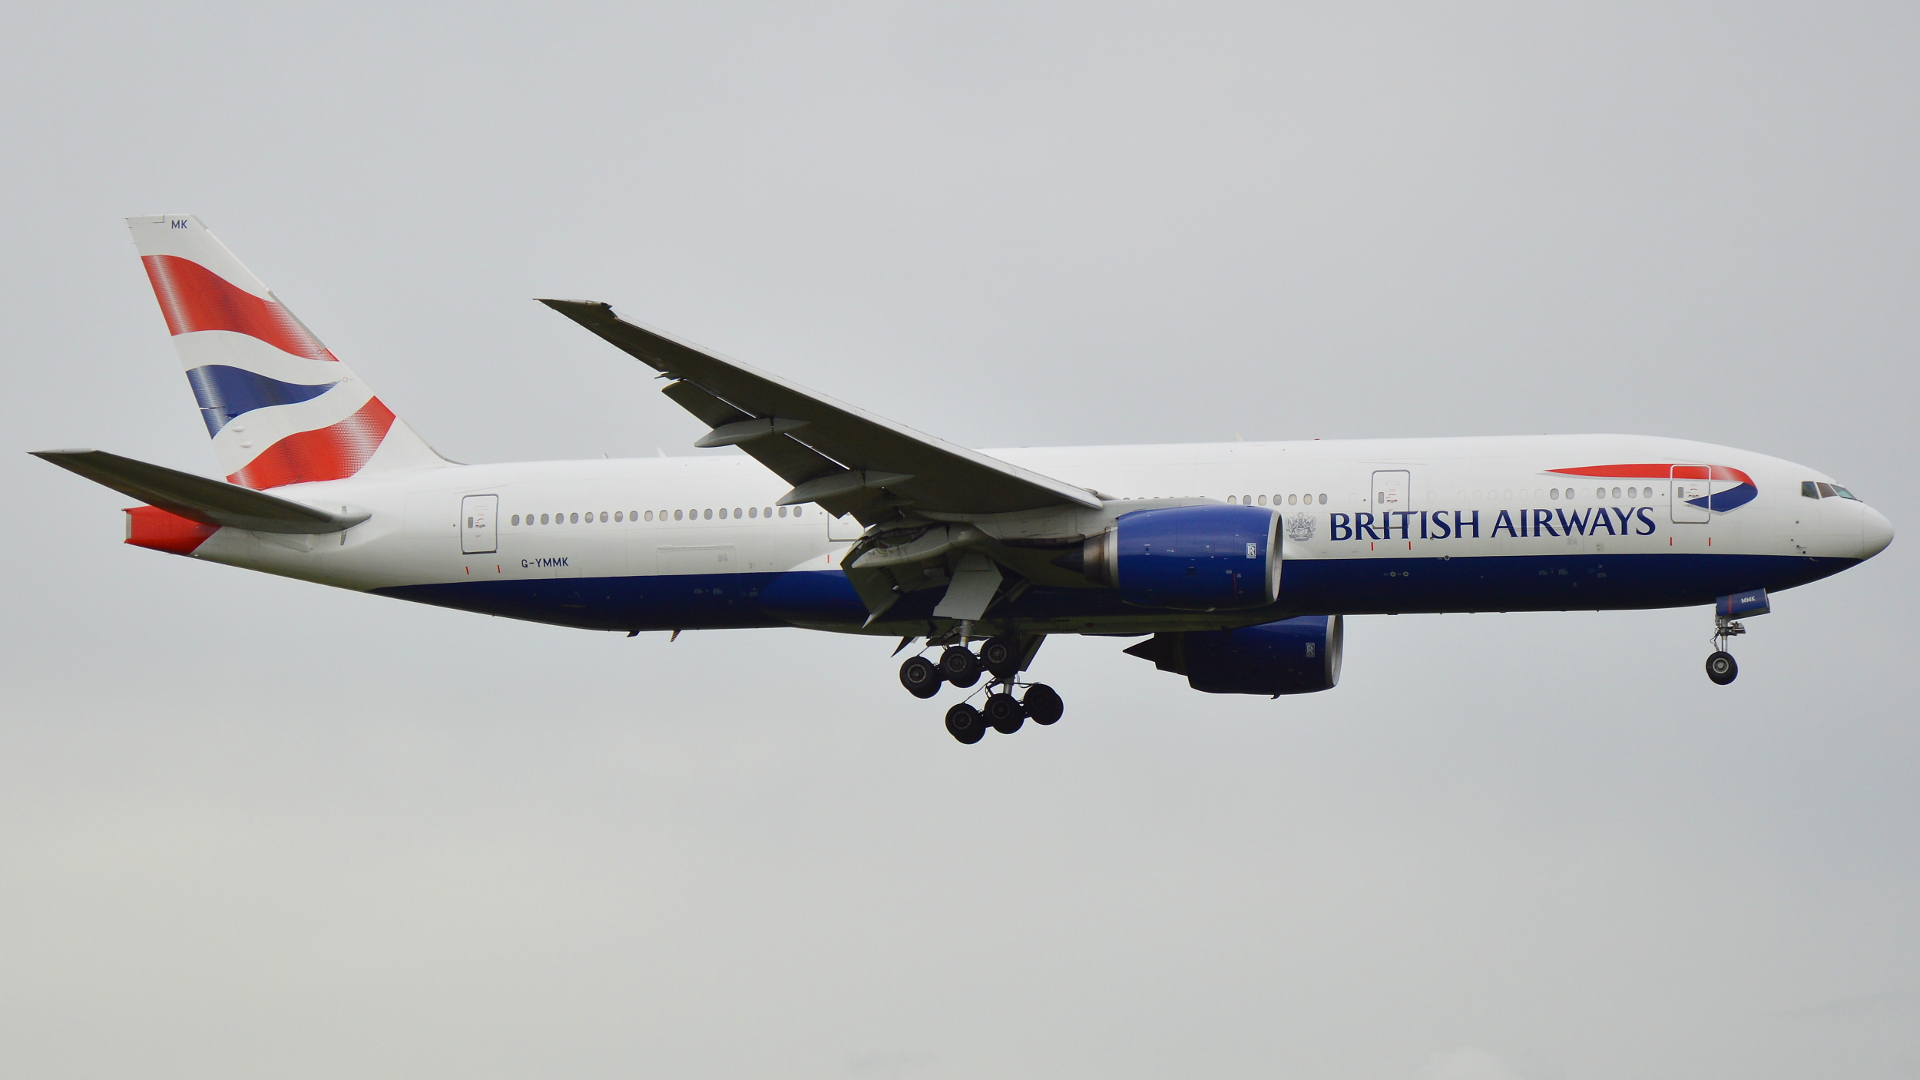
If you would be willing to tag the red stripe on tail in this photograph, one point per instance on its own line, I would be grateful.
(328, 453)
(193, 297)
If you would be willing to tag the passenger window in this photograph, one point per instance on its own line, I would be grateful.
(723, 513)
(603, 517)
(1553, 493)
(797, 509)
(676, 515)
(543, 519)
(1323, 500)
(766, 511)
(1231, 500)
(516, 519)
(709, 515)
(783, 511)
(1263, 500)
(649, 515)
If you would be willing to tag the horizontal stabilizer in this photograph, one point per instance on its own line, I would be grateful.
(197, 498)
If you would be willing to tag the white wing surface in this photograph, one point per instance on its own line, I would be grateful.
(847, 460)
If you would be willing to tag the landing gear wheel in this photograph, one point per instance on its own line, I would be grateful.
(920, 677)
(1001, 656)
(1721, 668)
(964, 723)
(959, 667)
(1042, 704)
(1004, 713)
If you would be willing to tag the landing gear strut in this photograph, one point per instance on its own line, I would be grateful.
(1721, 667)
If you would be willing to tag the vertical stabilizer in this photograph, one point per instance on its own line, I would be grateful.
(280, 407)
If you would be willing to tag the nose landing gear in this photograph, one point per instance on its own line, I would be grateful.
(1721, 667)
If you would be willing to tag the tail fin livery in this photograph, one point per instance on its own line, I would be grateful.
(280, 407)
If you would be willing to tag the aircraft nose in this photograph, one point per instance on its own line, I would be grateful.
(1876, 532)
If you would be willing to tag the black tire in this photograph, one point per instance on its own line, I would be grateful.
(1722, 669)
(1001, 656)
(1004, 713)
(964, 723)
(920, 677)
(959, 667)
(1042, 705)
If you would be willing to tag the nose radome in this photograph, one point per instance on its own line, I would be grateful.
(1876, 532)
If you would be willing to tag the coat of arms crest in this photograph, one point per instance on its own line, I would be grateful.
(1300, 528)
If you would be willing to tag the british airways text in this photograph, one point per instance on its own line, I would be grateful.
(1466, 524)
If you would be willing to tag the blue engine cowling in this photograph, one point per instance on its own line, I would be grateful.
(1195, 558)
(1292, 656)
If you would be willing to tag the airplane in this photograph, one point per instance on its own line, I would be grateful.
(1236, 562)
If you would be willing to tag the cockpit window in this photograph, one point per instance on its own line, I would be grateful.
(1815, 489)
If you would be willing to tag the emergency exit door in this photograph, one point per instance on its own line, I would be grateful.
(1391, 491)
(476, 524)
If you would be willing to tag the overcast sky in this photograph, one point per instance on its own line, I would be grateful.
(258, 828)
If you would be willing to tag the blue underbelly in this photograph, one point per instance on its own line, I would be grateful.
(1317, 587)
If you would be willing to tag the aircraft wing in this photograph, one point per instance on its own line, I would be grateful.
(197, 498)
(847, 460)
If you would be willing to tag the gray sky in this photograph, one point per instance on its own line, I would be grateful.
(252, 827)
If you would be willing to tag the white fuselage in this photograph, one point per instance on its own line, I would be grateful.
(699, 517)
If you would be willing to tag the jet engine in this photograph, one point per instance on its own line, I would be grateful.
(1292, 656)
(1195, 558)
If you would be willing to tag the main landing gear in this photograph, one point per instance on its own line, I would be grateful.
(1721, 667)
(1000, 659)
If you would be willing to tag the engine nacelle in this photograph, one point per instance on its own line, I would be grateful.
(1194, 558)
(1292, 656)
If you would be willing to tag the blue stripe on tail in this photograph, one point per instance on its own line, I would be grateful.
(226, 392)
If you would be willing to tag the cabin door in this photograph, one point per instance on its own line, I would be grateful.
(477, 514)
(1391, 491)
(1691, 493)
